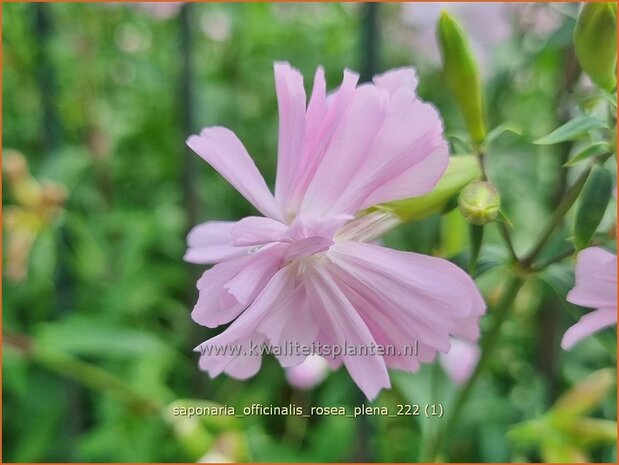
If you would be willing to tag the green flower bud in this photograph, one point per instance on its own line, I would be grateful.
(479, 202)
(460, 171)
(462, 75)
(595, 41)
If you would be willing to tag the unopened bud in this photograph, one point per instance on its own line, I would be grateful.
(462, 75)
(460, 171)
(479, 202)
(595, 42)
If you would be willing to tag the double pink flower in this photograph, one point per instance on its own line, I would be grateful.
(596, 287)
(305, 271)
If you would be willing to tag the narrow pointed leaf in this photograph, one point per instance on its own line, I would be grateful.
(571, 130)
(598, 148)
(593, 202)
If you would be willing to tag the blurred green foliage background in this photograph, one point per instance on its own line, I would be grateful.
(97, 338)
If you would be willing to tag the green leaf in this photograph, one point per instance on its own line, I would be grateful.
(586, 396)
(594, 200)
(560, 450)
(571, 130)
(498, 131)
(461, 139)
(597, 148)
(590, 431)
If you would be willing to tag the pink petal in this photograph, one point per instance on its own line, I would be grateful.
(230, 350)
(217, 305)
(250, 279)
(305, 226)
(416, 181)
(348, 145)
(307, 247)
(317, 108)
(211, 243)
(430, 295)
(291, 100)
(347, 328)
(590, 323)
(596, 279)
(315, 148)
(291, 324)
(220, 148)
(256, 230)
(385, 325)
(397, 78)
(407, 156)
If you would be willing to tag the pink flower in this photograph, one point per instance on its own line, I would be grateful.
(304, 273)
(460, 362)
(161, 10)
(310, 373)
(596, 287)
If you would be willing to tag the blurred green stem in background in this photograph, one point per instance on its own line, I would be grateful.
(500, 315)
(82, 372)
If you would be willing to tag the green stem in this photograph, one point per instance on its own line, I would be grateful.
(508, 240)
(487, 345)
(477, 237)
(557, 217)
(85, 373)
(557, 258)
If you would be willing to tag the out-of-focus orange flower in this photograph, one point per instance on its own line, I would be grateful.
(36, 205)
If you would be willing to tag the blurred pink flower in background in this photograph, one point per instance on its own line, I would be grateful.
(161, 10)
(305, 272)
(596, 287)
(488, 24)
(461, 360)
(309, 373)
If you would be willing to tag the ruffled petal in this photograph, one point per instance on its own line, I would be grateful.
(396, 79)
(430, 296)
(221, 149)
(346, 328)
(347, 147)
(386, 327)
(257, 230)
(317, 107)
(322, 123)
(251, 279)
(407, 156)
(291, 101)
(290, 328)
(233, 351)
(589, 324)
(228, 287)
(211, 243)
(596, 279)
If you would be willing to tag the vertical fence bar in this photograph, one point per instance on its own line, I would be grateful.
(50, 141)
(370, 41)
(369, 47)
(186, 113)
(42, 25)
